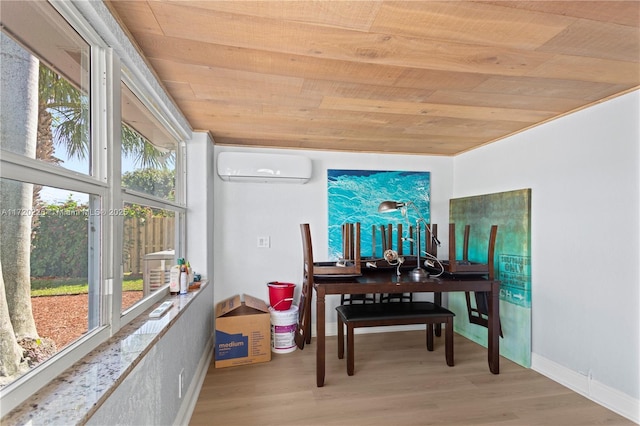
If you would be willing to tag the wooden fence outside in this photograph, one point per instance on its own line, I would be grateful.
(143, 236)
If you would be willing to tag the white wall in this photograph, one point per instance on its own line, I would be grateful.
(200, 203)
(245, 211)
(583, 171)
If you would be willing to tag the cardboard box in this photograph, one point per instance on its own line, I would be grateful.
(243, 332)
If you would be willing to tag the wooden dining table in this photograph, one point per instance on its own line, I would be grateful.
(387, 281)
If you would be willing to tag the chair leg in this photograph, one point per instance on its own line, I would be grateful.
(430, 337)
(340, 338)
(449, 341)
(308, 330)
(350, 346)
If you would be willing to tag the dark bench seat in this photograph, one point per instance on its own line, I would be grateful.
(393, 313)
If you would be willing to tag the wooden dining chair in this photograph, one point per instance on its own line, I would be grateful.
(477, 301)
(430, 247)
(303, 332)
(351, 261)
(351, 253)
(479, 313)
(352, 265)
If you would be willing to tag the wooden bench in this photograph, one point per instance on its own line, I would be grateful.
(392, 313)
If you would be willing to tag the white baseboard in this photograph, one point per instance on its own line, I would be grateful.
(191, 396)
(599, 393)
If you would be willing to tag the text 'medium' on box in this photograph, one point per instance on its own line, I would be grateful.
(243, 332)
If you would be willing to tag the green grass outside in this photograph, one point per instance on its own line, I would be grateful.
(69, 286)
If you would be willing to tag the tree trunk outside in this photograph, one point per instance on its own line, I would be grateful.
(18, 133)
(10, 351)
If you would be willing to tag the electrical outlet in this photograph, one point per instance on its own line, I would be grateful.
(264, 242)
(180, 383)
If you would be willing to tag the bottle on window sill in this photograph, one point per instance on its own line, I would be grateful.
(184, 277)
(174, 280)
(175, 277)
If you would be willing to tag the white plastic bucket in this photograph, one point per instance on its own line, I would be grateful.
(283, 330)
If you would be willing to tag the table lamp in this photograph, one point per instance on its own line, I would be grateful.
(389, 206)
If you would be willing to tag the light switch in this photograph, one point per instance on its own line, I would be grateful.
(264, 242)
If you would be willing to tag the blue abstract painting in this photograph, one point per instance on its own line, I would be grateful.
(354, 196)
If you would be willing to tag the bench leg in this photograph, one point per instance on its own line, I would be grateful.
(430, 337)
(350, 346)
(449, 341)
(340, 338)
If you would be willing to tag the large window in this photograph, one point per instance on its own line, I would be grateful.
(148, 167)
(149, 251)
(84, 202)
(46, 242)
(148, 152)
(51, 268)
(45, 78)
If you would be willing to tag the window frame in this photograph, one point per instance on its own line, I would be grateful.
(30, 170)
(113, 59)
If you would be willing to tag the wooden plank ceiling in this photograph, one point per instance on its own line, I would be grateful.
(419, 77)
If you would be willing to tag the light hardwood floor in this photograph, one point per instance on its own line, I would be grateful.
(396, 382)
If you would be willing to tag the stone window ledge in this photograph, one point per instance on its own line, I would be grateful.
(76, 394)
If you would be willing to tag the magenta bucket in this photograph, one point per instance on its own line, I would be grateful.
(281, 295)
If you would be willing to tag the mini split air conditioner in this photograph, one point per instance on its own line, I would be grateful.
(260, 167)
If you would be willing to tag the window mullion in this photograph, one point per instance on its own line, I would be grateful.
(106, 133)
(181, 197)
(25, 169)
(149, 200)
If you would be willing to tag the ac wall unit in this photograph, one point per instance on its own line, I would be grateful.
(260, 167)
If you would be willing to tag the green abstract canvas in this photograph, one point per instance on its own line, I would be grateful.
(511, 211)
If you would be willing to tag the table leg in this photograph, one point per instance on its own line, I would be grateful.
(437, 299)
(494, 328)
(320, 337)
